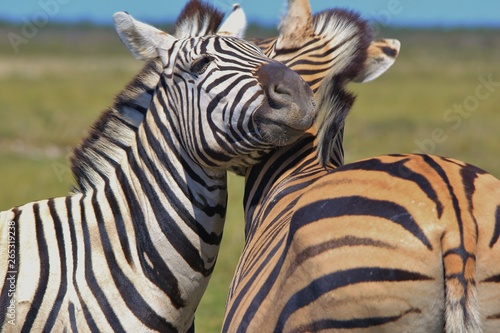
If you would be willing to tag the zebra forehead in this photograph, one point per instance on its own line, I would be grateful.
(230, 47)
(350, 36)
(344, 38)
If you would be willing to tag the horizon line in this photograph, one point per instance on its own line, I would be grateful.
(267, 23)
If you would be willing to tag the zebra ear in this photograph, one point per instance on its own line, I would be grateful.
(297, 26)
(235, 24)
(381, 56)
(144, 41)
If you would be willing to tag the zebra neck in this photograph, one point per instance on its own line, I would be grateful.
(177, 210)
(176, 213)
(279, 180)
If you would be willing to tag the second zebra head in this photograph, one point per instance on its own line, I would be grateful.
(224, 101)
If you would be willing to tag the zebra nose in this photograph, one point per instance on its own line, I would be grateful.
(288, 110)
(280, 84)
(289, 99)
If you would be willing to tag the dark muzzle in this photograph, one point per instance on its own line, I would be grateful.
(288, 110)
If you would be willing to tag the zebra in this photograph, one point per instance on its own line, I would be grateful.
(135, 249)
(315, 243)
(333, 46)
(311, 45)
(380, 53)
(101, 150)
(336, 45)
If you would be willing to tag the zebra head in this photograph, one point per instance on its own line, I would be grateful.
(329, 50)
(334, 41)
(225, 100)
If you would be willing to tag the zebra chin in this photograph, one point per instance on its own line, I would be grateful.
(278, 133)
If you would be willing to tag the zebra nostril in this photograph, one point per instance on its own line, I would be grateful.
(282, 89)
(279, 95)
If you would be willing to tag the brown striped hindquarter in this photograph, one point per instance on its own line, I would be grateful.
(396, 243)
(365, 248)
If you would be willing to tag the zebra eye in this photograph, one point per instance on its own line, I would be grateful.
(200, 65)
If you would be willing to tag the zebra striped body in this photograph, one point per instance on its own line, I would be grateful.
(135, 247)
(82, 265)
(391, 244)
(401, 243)
(394, 243)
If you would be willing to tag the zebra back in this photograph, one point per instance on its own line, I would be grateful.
(392, 243)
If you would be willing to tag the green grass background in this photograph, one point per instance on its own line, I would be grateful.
(59, 82)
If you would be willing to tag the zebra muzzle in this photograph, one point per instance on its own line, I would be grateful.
(289, 108)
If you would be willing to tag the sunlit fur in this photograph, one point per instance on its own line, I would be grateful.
(134, 248)
(197, 19)
(344, 29)
(402, 243)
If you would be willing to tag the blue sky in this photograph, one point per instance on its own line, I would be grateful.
(448, 13)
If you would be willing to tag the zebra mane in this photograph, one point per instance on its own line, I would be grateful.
(103, 147)
(112, 134)
(352, 37)
(197, 19)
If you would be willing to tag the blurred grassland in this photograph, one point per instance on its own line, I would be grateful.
(53, 89)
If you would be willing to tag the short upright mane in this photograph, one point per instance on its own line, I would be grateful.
(353, 36)
(197, 19)
(104, 146)
(350, 33)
